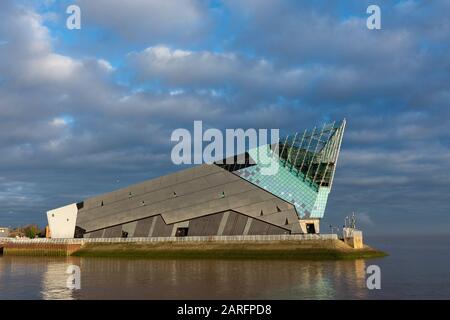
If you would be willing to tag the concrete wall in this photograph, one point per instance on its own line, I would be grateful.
(227, 223)
(353, 237)
(62, 221)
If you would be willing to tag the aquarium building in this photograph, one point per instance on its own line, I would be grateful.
(220, 199)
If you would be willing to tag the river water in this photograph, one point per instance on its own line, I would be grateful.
(417, 268)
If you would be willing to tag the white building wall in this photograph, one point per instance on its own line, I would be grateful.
(62, 221)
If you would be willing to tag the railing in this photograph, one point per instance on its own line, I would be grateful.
(296, 237)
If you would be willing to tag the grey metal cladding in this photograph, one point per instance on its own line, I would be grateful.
(279, 218)
(129, 228)
(113, 232)
(187, 187)
(176, 208)
(161, 229)
(143, 227)
(187, 195)
(220, 178)
(235, 224)
(150, 185)
(294, 227)
(97, 234)
(160, 200)
(259, 227)
(204, 226)
(276, 230)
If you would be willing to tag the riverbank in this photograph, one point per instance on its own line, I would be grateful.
(38, 249)
(280, 250)
(280, 247)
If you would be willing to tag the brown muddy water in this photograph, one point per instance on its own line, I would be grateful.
(417, 268)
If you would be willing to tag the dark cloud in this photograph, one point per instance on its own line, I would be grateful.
(140, 20)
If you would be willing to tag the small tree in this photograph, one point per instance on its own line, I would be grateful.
(31, 231)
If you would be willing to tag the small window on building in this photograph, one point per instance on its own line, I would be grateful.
(181, 232)
(310, 228)
(174, 194)
(278, 209)
(79, 232)
(143, 203)
(101, 204)
(261, 214)
(222, 195)
(130, 195)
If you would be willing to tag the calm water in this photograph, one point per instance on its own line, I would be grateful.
(418, 268)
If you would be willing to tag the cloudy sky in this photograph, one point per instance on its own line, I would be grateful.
(88, 111)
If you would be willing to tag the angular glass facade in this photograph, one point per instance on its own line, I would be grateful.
(306, 166)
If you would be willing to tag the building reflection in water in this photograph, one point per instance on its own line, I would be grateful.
(218, 279)
(45, 278)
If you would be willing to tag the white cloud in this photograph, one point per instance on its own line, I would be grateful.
(51, 67)
(176, 92)
(211, 72)
(105, 65)
(59, 122)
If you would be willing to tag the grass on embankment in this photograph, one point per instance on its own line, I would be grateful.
(35, 252)
(280, 250)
